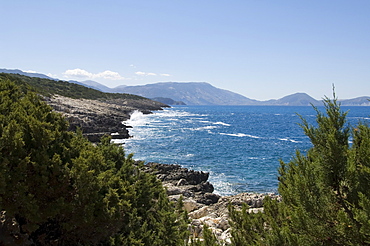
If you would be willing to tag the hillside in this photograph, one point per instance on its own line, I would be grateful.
(168, 101)
(96, 113)
(297, 99)
(45, 86)
(191, 93)
(358, 101)
(20, 72)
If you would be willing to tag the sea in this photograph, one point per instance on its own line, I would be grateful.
(240, 146)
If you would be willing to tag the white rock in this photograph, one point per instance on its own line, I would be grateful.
(226, 236)
(223, 224)
(210, 222)
(181, 182)
(172, 190)
(204, 211)
(255, 210)
(190, 205)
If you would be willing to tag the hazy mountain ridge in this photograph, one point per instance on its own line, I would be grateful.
(358, 101)
(191, 93)
(17, 71)
(297, 99)
(201, 93)
(167, 101)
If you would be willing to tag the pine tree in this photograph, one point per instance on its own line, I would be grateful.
(325, 192)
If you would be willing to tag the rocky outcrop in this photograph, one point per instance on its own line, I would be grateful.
(190, 184)
(203, 206)
(101, 117)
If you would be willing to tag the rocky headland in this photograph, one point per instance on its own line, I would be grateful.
(97, 118)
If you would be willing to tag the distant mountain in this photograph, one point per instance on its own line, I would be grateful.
(191, 93)
(94, 85)
(167, 101)
(359, 101)
(118, 88)
(97, 86)
(297, 99)
(17, 71)
(198, 93)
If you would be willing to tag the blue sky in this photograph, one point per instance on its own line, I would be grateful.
(260, 49)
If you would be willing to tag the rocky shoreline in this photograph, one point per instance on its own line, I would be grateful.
(97, 118)
(203, 206)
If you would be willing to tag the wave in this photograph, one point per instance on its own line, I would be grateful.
(290, 140)
(137, 118)
(204, 128)
(222, 186)
(256, 158)
(239, 135)
(221, 123)
(176, 113)
(215, 123)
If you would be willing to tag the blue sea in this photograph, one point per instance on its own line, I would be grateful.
(240, 146)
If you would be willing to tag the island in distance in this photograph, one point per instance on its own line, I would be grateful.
(200, 93)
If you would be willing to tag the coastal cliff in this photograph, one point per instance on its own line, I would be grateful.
(97, 118)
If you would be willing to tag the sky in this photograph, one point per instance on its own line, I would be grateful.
(262, 49)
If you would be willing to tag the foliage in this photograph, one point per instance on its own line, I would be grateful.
(325, 193)
(63, 190)
(209, 239)
(49, 87)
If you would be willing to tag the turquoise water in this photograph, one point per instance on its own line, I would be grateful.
(239, 145)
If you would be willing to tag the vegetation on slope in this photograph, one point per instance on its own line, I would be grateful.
(49, 87)
(325, 193)
(56, 188)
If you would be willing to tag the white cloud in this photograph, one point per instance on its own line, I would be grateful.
(30, 71)
(109, 75)
(151, 74)
(145, 74)
(52, 75)
(140, 73)
(80, 73)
